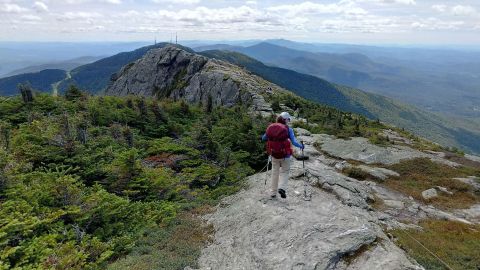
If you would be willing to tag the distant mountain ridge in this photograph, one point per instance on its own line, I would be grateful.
(437, 80)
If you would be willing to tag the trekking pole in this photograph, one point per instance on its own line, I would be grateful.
(305, 195)
(266, 172)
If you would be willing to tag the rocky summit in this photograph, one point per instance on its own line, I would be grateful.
(178, 74)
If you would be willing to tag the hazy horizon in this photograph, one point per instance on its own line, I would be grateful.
(364, 22)
(245, 42)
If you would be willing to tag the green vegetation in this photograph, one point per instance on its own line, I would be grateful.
(90, 181)
(41, 81)
(325, 119)
(455, 243)
(172, 246)
(419, 174)
(356, 173)
(82, 177)
(77, 189)
(380, 140)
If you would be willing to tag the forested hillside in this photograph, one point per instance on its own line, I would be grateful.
(41, 81)
(422, 123)
(85, 181)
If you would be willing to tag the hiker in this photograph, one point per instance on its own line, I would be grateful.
(280, 137)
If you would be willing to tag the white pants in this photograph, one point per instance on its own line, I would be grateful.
(280, 170)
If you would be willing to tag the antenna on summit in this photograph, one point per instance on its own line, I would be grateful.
(176, 38)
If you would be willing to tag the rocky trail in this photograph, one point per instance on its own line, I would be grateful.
(336, 229)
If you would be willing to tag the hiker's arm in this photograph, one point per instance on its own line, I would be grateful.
(264, 137)
(293, 139)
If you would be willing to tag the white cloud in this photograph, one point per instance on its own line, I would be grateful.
(136, 19)
(204, 15)
(116, 2)
(403, 2)
(309, 8)
(436, 24)
(12, 8)
(40, 6)
(460, 10)
(177, 2)
(80, 15)
(76, 2)
(440, 8)
(30, 17)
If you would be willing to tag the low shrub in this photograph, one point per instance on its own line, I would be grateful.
(455, 243)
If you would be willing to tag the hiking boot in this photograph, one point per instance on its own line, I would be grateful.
(282, 193)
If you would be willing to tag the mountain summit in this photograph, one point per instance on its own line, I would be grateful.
(176, 73)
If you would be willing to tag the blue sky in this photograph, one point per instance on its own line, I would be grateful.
(349, 21)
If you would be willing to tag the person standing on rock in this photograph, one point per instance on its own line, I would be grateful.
(280, 137)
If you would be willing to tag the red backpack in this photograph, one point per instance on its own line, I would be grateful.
(278, 144)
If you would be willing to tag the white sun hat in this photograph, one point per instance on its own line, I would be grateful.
(286, 116)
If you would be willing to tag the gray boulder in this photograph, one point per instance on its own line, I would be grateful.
(360, 149)
(394, 204)
(472, 157)
(302, 132)
(429, 194)
(473, 181)
(379, 173)
(444, 190)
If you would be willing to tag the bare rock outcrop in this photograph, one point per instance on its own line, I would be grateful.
(334, 229)
(255, 232)
(178, 74)
(429, 194)
(360, 149)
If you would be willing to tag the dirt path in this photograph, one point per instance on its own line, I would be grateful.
(57, 84)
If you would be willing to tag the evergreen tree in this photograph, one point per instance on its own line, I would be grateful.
(73, 93)
(128, 135)
(276, 106)
(26, 91)
(209, 104)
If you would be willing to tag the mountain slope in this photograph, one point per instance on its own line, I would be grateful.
(371, 105)
(94, 77)
(301, 84)
(443, 81)
(41, 81)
